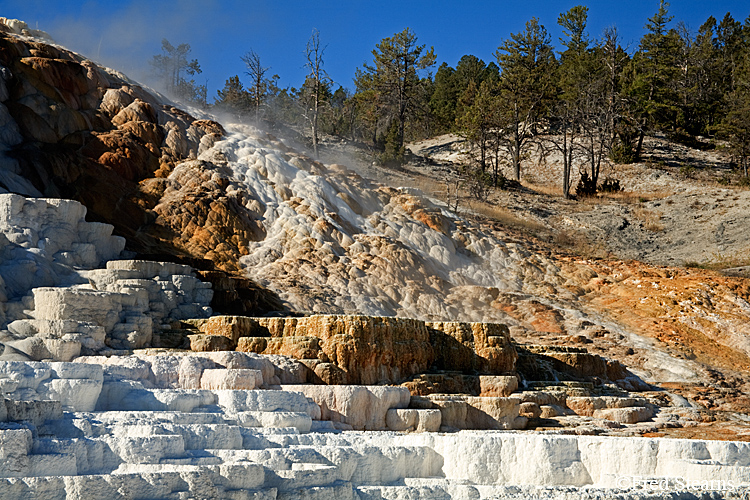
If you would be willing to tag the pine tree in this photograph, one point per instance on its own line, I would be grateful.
(450, 84)
(700, 89)
(652, 76)
(735, 127)
(575, 77)
(729, 42)
(471, 68)
(478, 123)
(233, 98)
(527, 65)
(395, 82)
(444, 98)
(172, 67)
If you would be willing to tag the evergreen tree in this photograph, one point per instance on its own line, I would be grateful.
(729, 42)
(735, 127)
(602, 102)
(527, 65)
(652, 76)
(340, 121)
(575, 80)
(172, 68)
(444, 98)
(233, 98)
(478, 123)
(395, 82)
(471, 68)
(700, 80)
(450, 84)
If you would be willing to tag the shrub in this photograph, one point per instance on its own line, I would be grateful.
(586, 186)
(687, 170)
(394, 153)
(501, 182)
(622, 153)
(610, 185)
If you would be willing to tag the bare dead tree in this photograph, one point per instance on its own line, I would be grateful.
(318, 79)
(257, 73)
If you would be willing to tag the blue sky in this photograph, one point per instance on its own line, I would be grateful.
(124, 34)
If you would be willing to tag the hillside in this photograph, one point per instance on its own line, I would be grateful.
(324, 239)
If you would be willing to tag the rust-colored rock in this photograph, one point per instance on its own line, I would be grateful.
(252, 344)
(231, 327)
(588, 406)
(89, 135)
(530, 410)
(546, 362)
(371, 350)
(631, 415)
(207, 343)
(468, 412)
(366, 350)
(481, 347)
(443, 383)
(497, 385)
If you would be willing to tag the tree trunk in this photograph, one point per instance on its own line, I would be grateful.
(516, 156)
(315, 121)
(566, 148)
(639, 147)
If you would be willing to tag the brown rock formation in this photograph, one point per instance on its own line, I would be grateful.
(480, 347)
(347, 349)
(342, 349)
(208, 343)
(468, 412)
(231, 327)
(78, 131)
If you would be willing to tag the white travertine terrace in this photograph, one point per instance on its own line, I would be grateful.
(62, 294)
(123, 427)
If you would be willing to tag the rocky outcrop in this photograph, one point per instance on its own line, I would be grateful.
(413, 420)
(433, 357)
(362, 349)
(72, 129)
(621, 410)
(469, 412)
(473, 347)
(355, 406)
(339, 349)
(43, 242)
(122, 307)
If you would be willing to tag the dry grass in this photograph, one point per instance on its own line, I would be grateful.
(720, 261)
(543, 189)
(629, 197)
(505, 217)
(431, 187)
(651, 219)
(569, 241)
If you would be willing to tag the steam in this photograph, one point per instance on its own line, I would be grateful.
(125, 36)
